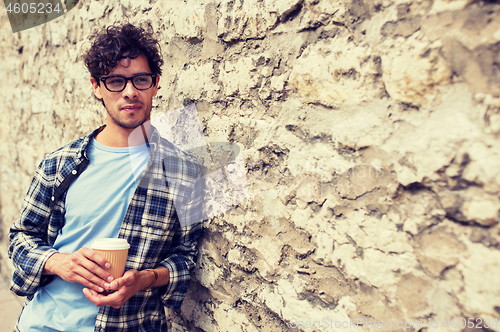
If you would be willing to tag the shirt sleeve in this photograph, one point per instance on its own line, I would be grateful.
(28, 238)
(182, 261)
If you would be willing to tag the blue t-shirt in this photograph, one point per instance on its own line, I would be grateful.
(96, 204)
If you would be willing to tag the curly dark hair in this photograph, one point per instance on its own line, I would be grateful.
(117, 42)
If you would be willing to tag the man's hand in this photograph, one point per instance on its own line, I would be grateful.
(83, 266)
(126, 286)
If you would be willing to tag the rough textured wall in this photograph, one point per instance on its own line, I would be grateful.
(369, 131)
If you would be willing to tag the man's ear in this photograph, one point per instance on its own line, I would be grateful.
(156, 85)
(96, 87)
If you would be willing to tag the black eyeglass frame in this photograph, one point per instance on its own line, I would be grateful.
(131, 79)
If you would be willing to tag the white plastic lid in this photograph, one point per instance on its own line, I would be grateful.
(110, 244)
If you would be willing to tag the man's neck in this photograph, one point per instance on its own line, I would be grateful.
(124, 137)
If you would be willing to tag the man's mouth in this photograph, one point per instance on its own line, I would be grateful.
(131, 107)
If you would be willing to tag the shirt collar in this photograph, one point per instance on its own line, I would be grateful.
(153, 138)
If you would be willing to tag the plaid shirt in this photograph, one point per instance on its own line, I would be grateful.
(162, 224)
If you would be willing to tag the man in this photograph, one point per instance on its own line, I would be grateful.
(122, 180)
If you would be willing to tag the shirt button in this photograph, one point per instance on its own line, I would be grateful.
(74, 172)
(52, 198)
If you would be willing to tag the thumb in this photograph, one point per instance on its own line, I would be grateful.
(127, 280)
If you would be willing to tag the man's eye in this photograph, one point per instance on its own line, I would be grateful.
(141, 79)
(115, 81)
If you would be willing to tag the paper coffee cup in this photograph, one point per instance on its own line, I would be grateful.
(115, 251)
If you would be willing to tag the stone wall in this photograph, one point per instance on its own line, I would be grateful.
(369, 131)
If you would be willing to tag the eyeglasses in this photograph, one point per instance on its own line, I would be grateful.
(118, 83)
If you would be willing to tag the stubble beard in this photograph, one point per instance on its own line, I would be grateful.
(132, 125)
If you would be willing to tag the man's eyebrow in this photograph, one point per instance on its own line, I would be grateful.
(136, 74)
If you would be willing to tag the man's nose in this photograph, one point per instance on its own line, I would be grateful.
(130, 91)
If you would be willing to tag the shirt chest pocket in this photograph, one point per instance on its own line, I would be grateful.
(162, 210)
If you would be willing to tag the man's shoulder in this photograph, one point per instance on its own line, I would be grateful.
(171, 149)
(70, 151)
(176, 158)
(71, 148)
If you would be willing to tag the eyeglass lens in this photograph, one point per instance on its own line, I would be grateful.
(141, 82)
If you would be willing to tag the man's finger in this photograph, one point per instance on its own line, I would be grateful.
(96, 274)
(82, 275)
(96, 264)
(119, 283)
(97, 298)
(92, 271)
(89, 280)
(94, 256)
(128, 279)
(113, 300)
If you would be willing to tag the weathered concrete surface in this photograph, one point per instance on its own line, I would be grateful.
(369, 131)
